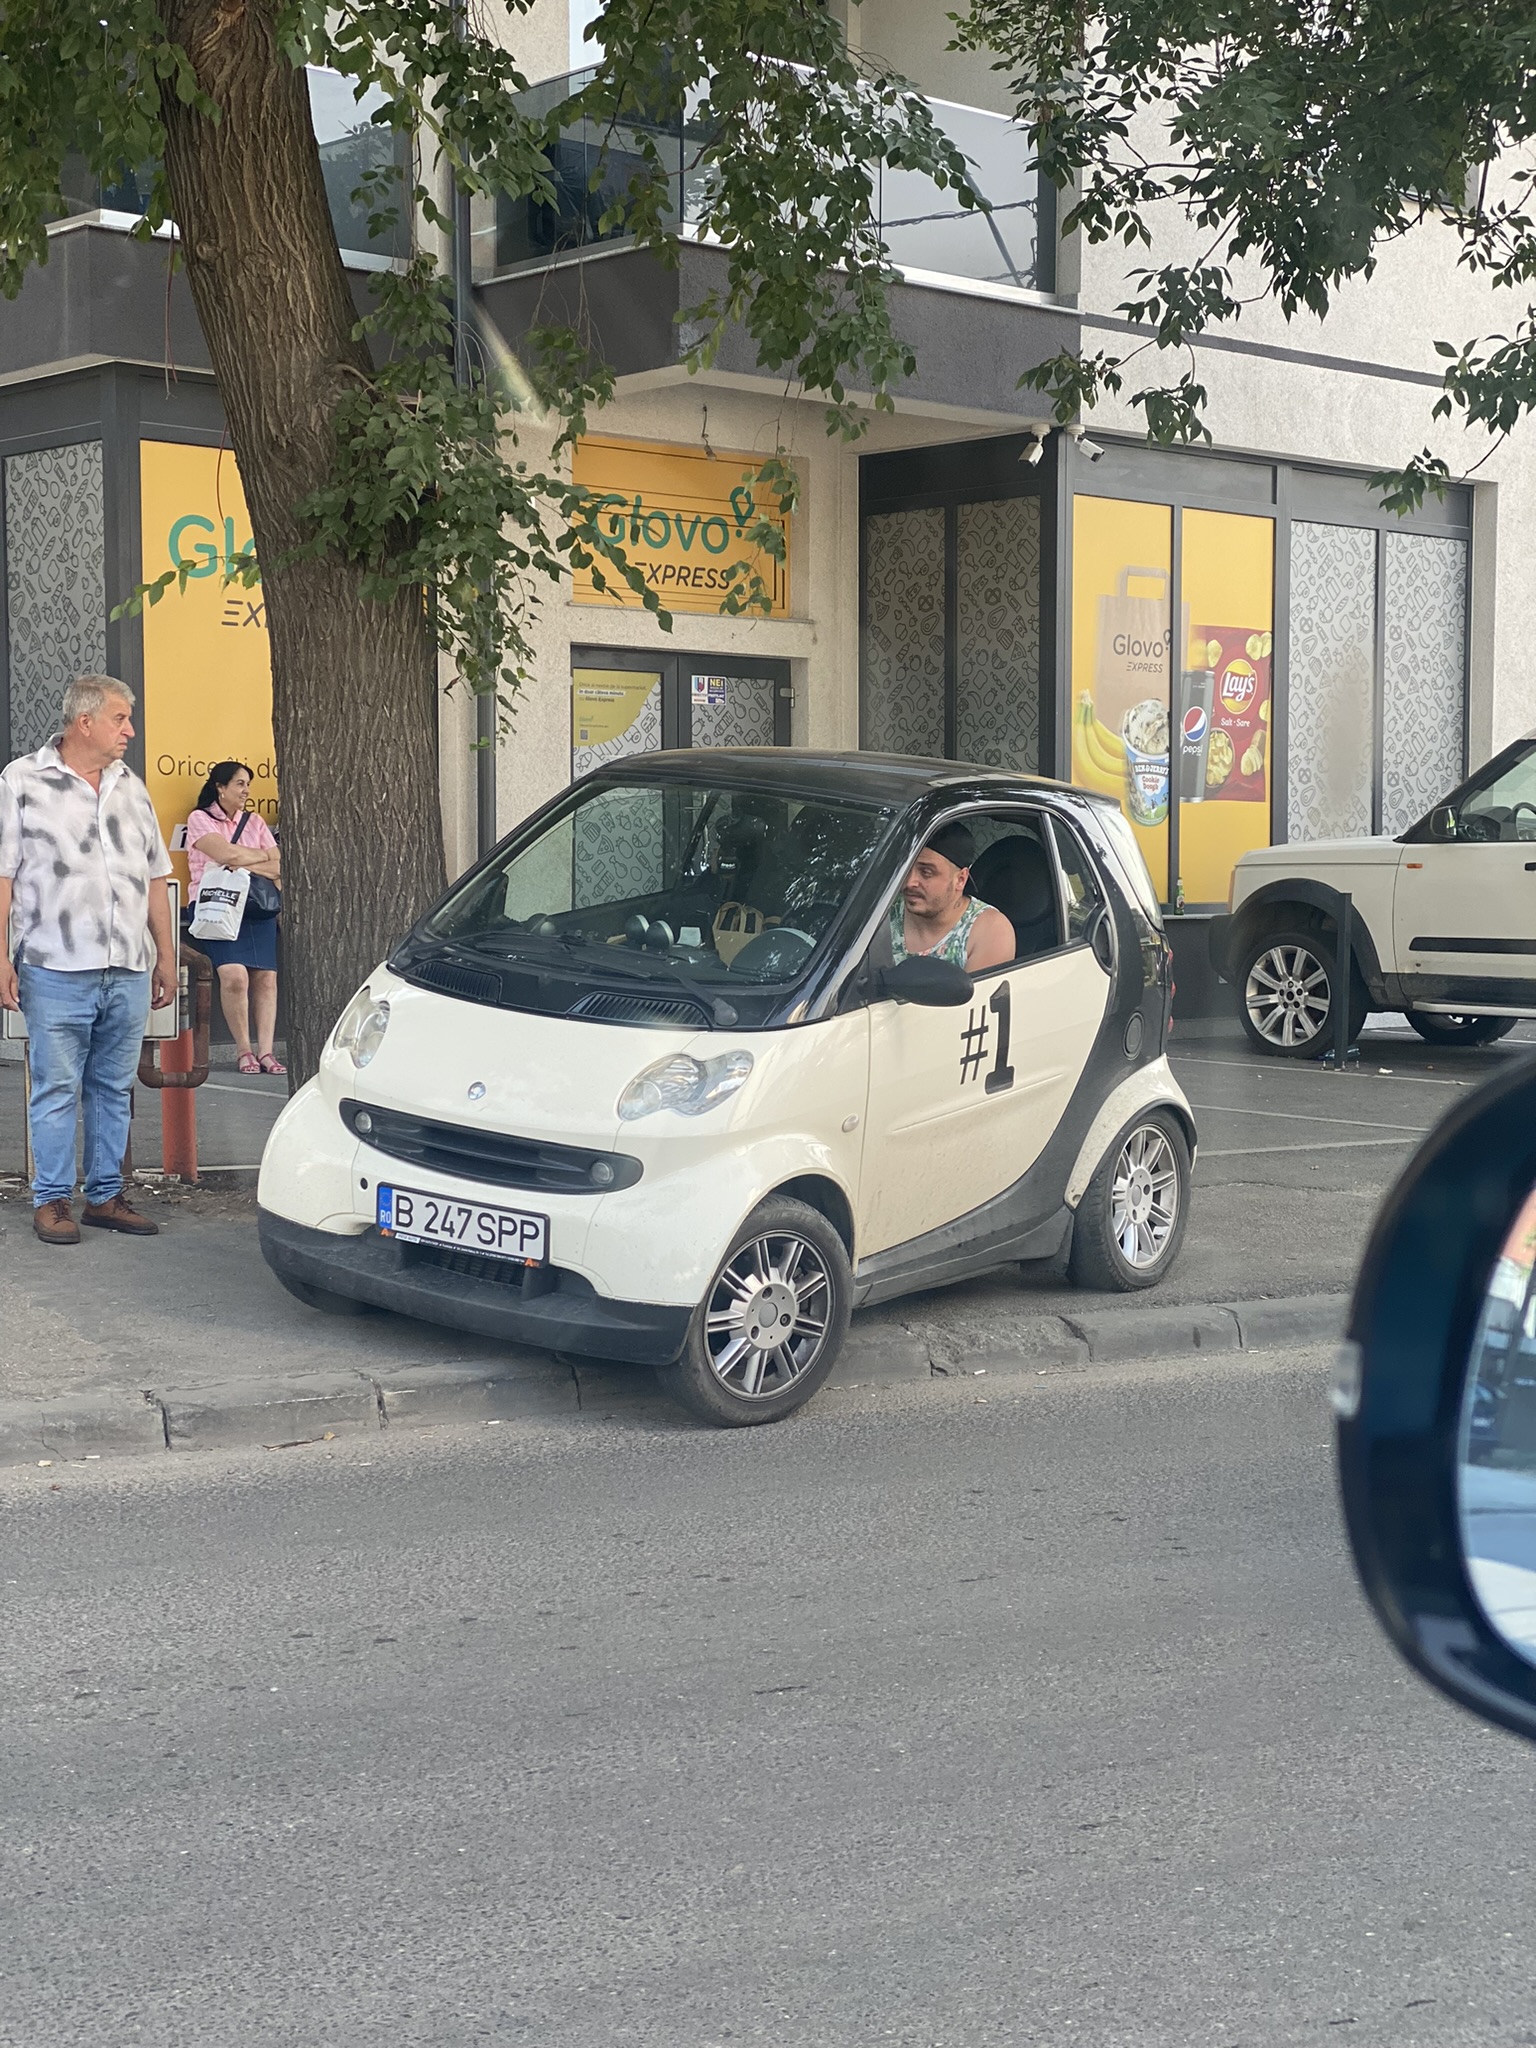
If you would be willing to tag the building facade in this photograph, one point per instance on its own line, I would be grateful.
(1236, 640)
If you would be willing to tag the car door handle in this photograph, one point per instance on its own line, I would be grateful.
(1530, 867)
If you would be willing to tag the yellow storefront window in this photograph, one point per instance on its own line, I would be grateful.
(1122, 573)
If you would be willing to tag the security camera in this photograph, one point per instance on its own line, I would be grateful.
(1033, 448)
(1091, 449)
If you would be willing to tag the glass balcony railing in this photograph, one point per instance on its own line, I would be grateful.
(925, 227)
(350, 144)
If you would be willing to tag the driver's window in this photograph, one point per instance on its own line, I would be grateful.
(1506, 808)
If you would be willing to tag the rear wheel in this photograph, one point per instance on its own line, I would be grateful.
(1130, 1222)
(1288, 988)
(772, 1322)
(1438, 1030)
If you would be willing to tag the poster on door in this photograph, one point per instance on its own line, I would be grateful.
(1224, 732)
(615, 712)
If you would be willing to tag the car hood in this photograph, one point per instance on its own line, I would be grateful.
(1313, 853)
(539, 1076)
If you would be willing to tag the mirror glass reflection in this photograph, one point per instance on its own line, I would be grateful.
(1498, 1444)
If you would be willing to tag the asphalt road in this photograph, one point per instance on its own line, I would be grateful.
(1040, 1715)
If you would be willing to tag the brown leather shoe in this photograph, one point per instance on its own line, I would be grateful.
(54, 1223)
(117, 1215)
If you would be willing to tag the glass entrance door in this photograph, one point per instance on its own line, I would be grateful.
(625, 703)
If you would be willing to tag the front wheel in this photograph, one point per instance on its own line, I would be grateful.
(1130, 1222)
(1436, 1030)
(1288, 986)
(771, 1323)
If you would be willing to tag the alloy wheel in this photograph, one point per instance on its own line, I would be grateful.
(766, 1319)
(1144, 1196)
(1288, 995)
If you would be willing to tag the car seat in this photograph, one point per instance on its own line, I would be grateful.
(1015, 876)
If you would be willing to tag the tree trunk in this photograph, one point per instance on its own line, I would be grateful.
(354, 691)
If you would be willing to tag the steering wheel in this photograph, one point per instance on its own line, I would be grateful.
(1520, 831)
(1479, 827)
(774, 954)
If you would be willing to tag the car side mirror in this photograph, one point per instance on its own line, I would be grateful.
(936, 984)
(1442, 822)
(1436, 1403)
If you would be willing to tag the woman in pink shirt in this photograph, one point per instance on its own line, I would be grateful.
(247, 965)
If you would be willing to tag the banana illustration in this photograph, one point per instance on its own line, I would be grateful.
(1100, 755)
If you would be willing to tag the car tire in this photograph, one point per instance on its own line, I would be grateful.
(1131, 1220)
(1461, 1030)
(322, 1299)
(1287, 990)
(785, 1262)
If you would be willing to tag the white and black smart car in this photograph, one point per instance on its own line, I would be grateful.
(651, 1084)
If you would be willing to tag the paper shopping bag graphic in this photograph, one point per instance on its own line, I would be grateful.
(1131, 661)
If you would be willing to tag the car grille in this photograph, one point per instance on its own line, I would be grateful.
(458, 981)
(627, 1009)
(492, 1156)
(509, 1273)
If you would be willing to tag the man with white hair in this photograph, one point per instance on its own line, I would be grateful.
(89, 949)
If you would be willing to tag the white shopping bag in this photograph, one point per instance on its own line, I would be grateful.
(220, 902)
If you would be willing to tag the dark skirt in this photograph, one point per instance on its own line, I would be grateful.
(256, 946)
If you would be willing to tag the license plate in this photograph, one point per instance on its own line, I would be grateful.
(417, 1218)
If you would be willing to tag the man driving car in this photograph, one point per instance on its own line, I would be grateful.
(937, 916)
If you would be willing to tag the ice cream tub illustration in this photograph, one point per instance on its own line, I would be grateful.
(1146, 736)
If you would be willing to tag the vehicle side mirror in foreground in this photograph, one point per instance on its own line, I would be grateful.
(1442, 822)
(937, 984)
(1436, 1404)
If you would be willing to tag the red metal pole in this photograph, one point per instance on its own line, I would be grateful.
(178, 1110)
(182, 1066)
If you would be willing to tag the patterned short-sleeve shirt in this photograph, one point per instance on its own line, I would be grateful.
(80, 862)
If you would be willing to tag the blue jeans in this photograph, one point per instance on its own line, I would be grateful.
(84, 1033)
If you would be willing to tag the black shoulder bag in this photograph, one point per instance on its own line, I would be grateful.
(265, 898)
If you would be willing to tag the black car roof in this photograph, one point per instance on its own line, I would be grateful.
(799, 771)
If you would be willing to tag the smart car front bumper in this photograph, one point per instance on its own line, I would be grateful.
(545, 1306)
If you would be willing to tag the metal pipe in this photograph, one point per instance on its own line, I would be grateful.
(199, 971)
(485, 700)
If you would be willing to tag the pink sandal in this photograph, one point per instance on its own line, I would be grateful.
(270, 1065)
(247, 1064)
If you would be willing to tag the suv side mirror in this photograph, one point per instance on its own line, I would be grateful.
(1442, 822)
(1436, 1404)
(936, 984)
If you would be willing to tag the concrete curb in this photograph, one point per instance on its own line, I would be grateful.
(279, 1412)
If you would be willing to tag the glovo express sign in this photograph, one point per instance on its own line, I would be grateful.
(682, 517)
(207, 658)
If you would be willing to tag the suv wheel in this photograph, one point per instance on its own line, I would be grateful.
(1287, 989)
(1441, 1030)
(772, 1322)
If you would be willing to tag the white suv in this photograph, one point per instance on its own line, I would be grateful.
(1444, 922)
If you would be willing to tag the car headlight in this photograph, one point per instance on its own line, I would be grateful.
(363, 1025)
(683, 1083)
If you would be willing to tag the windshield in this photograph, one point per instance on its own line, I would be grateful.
(672, 881)
(1504, 806)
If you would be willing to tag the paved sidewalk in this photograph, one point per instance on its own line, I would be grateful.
(186, 1342)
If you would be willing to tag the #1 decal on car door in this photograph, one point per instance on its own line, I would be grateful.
(976, 1034)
